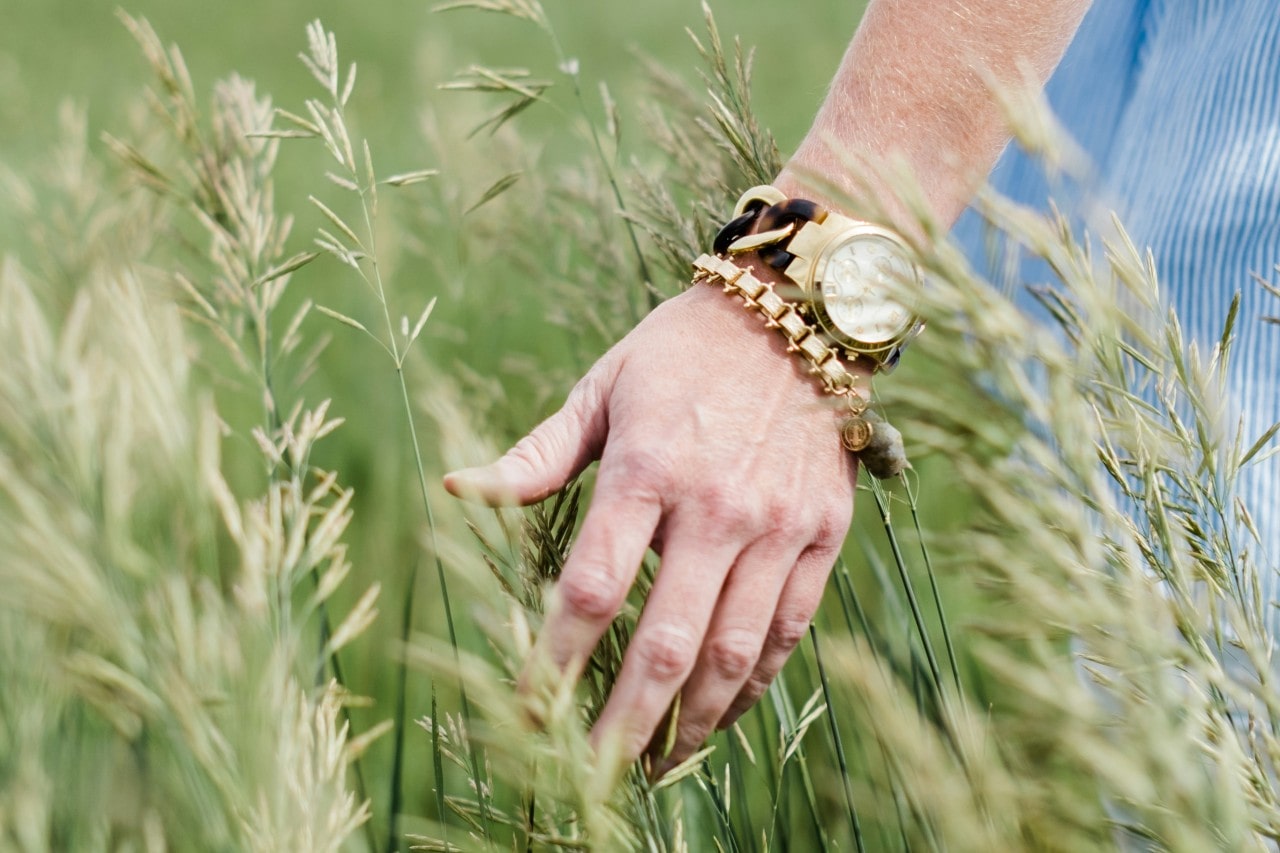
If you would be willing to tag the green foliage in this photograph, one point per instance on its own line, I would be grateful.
(195, 542)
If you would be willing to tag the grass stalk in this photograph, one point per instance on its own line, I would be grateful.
(837, 744)
(708, 783)
(400, 718)
(772, 778)
(437, 765)
(908, 587)
(785, 710)
(913, 502)
(330, 124)
(737, 768)
(642, 264)
(362, 787)
(432, 536)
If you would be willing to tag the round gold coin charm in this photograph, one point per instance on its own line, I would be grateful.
(855, 433)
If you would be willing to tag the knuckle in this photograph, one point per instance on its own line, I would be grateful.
(667, 651)
(591, 595)
(729, 509)
(834, 520)
(732, 654)
(816, 560)
(786, 632)
(782, 525)
(751, 692)
(644, 468)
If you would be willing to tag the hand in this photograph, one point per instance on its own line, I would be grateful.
(717, 451)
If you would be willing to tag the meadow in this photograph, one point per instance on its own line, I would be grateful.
(247, 326)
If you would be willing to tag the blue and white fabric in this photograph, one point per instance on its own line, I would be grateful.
(1177, 104)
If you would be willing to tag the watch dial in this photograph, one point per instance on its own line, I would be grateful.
(857, 284)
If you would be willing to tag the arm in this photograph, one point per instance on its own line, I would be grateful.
(715, 448)
(914, 83)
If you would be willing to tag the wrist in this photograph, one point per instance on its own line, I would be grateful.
(869, 193)
(752, 263)
(851, 282)
(847, 389)
(743, 336)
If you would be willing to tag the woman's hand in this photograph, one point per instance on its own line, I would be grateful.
(717, 451)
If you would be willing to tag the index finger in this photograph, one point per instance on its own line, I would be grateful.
(596, 577)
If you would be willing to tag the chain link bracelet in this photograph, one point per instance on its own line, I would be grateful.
(856, 430)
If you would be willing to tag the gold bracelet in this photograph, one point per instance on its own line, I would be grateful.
(824, 362)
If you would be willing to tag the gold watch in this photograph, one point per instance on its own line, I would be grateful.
(858, 281)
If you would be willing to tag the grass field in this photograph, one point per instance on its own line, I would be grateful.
(186, 581)
(65, 49)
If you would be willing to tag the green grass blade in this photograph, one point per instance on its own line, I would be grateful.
(401, 717)
(904, 576)
(837, 744)
(933, 582)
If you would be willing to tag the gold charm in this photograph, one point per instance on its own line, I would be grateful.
(855, 433)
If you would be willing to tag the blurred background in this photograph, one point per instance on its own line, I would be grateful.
(53, 49)
(501, 348)
(148, 697)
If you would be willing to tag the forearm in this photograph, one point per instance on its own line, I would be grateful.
(916, 84)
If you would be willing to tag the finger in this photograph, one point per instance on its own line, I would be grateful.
(665, 645)
(548, 457)
(596, 577)
(790, 624)
(733, 644)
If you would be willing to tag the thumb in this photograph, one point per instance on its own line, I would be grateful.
(545, 459)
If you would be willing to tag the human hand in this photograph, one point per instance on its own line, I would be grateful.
(717, 451)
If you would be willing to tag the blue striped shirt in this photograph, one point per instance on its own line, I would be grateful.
(1177, 104)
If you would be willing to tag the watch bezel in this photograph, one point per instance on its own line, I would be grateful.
(817, 299)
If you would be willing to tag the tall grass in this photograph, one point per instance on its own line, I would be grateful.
(159, 668)
(1080, 659)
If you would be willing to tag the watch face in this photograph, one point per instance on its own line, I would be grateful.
(858, 282)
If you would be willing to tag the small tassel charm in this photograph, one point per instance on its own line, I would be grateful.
(883, 454)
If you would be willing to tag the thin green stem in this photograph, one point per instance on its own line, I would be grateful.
(852, 607)
(837, 744)
(933, 581)
(610, 174)
(261, 329)
(531, 813)
(882, 504)
(712, 788)
(785, 710)
(432, 537)
(401, 713)
(437, 767)
(772, 780)
(738, 787)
